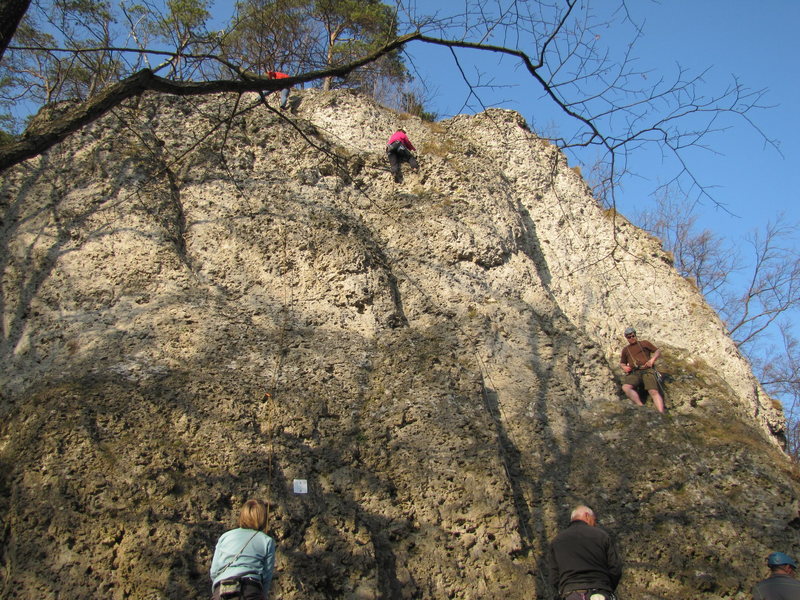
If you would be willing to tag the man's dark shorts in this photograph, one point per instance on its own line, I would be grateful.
(639, 376)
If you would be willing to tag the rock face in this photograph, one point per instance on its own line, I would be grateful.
(440, 356)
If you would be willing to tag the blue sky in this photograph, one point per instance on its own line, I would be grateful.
(754, 40)
(751, 182)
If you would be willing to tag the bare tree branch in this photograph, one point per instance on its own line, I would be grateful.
(49, 134)
(611, 104)
(773, 287)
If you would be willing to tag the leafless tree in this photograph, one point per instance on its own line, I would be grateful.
(614, 107)
(778, 369)
(772, 287)
(702, 256)
(755, 288)
(751, 291)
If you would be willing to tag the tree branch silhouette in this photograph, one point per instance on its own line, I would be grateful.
(606, 100)
(45, 135)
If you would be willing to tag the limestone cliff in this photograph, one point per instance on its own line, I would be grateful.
(441, 357)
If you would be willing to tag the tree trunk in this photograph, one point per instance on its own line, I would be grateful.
(333, 35)
(11, 13)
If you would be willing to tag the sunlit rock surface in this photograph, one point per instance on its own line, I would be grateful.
(441, 358)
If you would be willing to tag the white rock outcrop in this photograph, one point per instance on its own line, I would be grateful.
(441, 357)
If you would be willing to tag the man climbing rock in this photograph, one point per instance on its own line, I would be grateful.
(398, 149)
(781, 584)
(584, 564)
(637, 360)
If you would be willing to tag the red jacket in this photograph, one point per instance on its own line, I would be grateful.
(399, 136)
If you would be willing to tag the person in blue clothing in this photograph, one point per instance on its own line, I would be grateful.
(244, 558)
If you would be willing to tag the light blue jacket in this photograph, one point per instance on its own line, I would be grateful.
(257, 558)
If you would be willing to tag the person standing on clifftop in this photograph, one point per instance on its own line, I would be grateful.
(398, 149)
(781, 584)
(637, 360)
(284, 91)
(584, 564)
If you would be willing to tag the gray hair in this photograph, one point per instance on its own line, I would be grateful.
(580, 512)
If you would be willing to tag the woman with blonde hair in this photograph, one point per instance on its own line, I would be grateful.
(244, 557)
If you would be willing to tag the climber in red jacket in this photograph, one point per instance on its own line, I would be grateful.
(284, 91)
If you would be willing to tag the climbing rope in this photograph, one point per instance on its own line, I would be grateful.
(280, 351)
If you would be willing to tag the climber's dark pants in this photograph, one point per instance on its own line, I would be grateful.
(396, 157)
